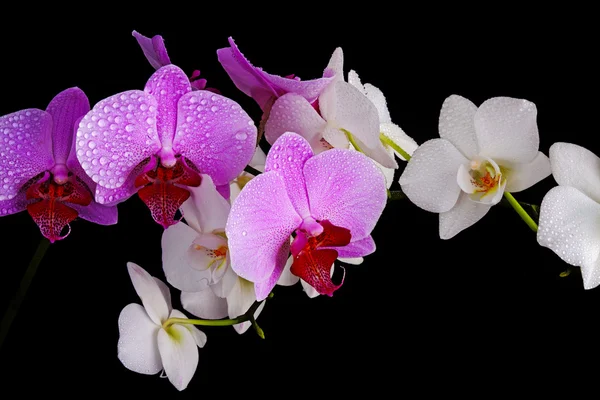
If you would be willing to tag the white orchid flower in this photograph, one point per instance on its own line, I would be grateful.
(569, 221)
(482, 152)
(146, 345)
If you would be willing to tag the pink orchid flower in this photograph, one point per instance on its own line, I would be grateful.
(329, 203)
(263, 87)
(39, 170)
(158, 141)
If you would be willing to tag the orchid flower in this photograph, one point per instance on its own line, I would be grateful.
(482, 153)
(570, 212)
(330, 202)
(146, 345)
(39, 170)
(158, 141)
(156, 53)
(196, 259)
(344, 115)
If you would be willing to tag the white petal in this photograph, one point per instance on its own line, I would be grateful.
(570, 225)
(523, 176)
(354, 80)
(336, 65)
(138, 346)
(352, 261)
(199, 336)
(506, 130)
(150, 293)
(177, 266)
(204, 304)
(206, 210)
(166, 292)
(378, 99)
(287, 278)
(240, 298)
(429, 179)
(335, 137)
(259, 159)
(457, 124)
(590, 273)
(226, 284)
(202, 251)
(243, 327)
(464, 214)
(576, 166)
(179, 354)
(397, 135)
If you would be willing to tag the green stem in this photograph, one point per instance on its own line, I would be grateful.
(386, 140)
(522, 213)
(396, 195)
(17, 300)
(351, 140)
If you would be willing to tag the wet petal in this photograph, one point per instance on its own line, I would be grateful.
(345, 198)
(358, 248)
(199, 336)
(287, 278)
(506, 130)
(378, 99)
(576, 166)
(66, 108)
(163, 200)
(457, 124)
(215, 134)
(137, 348)
(465, 213)
(109, 197)
(397, 135)
(310, 291)
(15, 205)
(51, 216)
(240, 298)
(314, 267)
(179, 354)
(259, 225)
(429, 179)
(149, 292)
(97, 213)
(154, 49)
(206, 210)
(204, 304)
(263, 288)
(25, 149)
(523, 176)
(335, 67)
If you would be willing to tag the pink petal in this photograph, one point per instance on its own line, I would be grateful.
(293, 113)
(66, 108)
(287, 157)
(14, 205)
(260, 224)
(25, 149)
(215, 134)
(310, 89)
(97, 213)
(167, 85)
(347, 189)
(109, 197)
(116, 136)
(154, 49)
(262, 289)
(358, 248)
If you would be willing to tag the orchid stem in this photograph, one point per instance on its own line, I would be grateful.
(522, 213)
(17, 300)
(352, 141)
(395, 195)
(248, 316)
(386, 140)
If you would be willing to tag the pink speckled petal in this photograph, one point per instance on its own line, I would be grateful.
(293, 113)
(357, 248)
(167, 85)
(115, 196)
(115, 136)
(66, 108)
(97, 213)
(154, 49)
(215, 134)
(263, 288)
(287, 157)
(14, 205)
(347, 189)
(310, 89)
(260, 224)
(25, 149)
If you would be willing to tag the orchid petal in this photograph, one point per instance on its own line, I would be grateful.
(206, 210)
(457, 125)
(177, 265)
(204, 304)
(354, 80)
(465, 213)
(357, 248)
(293, 113)
(66, 108)
(26, 149)
(429, 179)
(287, 157)
(308, 89)
(347, 199)
(576, 166)
(138, 346)
(335, 67)
(215, 134)
(335, 138)
(260, 224)
(287, 278)
(506, 130)
(167, 85)
(397, 135)
(51, 217)
(352, 261)
(243, 327)
(241, 298)
(378, 99)
(568, 225)
(264, 287)
(149, 292)
(205, 251)
(115, 137)
(154, 49)
(259, 159)
(522, 176)
(223, 287)
(14, 205)
(199, 336)
(179, 354)
(97, 213)
(310, 291)
(110, 197)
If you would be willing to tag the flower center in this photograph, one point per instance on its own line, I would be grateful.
(483, 180)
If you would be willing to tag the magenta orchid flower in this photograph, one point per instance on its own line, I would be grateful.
(158, 141)
(329, 202)
(263, 87)
(156, 53)
(39, 170)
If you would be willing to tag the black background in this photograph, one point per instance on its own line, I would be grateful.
(481, 312)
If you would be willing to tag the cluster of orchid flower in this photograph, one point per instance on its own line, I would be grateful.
(256, 220)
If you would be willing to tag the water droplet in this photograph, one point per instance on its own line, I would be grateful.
(214, 108)
(130, 128)
(244, 233)
(241, 135)
(91, 144)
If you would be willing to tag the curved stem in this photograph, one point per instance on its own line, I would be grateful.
(522, 213)
(351, 140)
(386, 140)
(17, 300)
